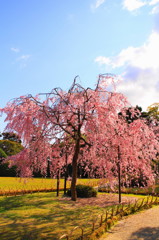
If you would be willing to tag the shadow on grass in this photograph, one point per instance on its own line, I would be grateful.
(50, 226)
(147, 233)
(7, 203)
(41, 216)
(18, 231)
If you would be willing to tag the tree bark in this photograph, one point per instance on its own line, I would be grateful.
(74, 171)
(58, 183)
(65, 179)
(119, 174)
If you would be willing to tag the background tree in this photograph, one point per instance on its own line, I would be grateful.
(10, 136)
(3, 167)
(2, 154)
(126, 148)
(152, 119)
(9, 148)
(153, 111)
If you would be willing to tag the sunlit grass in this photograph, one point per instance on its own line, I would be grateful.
(42, 216)
(18, 184)
(11, 183)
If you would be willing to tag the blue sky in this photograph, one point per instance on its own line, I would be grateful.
(45, 44)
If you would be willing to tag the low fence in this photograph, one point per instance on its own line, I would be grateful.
(104, 221)
(26, 191)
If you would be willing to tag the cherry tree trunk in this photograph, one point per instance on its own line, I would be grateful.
(66, 174)
(65, 184)
(74, 171)
(58, 183)
(119, 174)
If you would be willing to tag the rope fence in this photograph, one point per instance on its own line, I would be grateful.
(103, 222)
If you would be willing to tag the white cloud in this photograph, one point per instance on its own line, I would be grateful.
(103, 60)
(143, 90)
(24, 57)
(141, 71)
(97, 4)
(23, 60)
(146, 56)
(15, 49)
(132, 5)
(153, 2)
(155, 10)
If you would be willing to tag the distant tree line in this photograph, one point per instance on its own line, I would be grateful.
(10, 144)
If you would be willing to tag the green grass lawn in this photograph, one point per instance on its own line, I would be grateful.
(17, 184)
(42, 216)
(14, 184)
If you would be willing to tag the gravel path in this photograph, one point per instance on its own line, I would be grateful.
(140, 226)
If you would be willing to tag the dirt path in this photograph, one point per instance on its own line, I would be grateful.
(141, 226)
(102, 200)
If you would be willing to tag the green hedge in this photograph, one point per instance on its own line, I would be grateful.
(84, 191)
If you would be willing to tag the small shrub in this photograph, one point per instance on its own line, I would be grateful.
(157, 189)
(84, 191)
